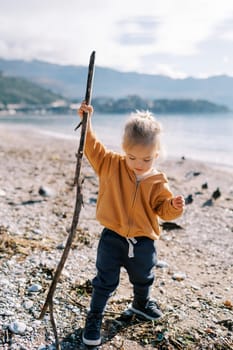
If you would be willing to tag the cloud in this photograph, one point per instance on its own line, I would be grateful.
(137, 31)
(124, 33)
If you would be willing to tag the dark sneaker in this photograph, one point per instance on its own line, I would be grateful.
(91, 333)
(149, 310)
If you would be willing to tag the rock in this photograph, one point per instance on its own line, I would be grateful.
(208, 203)
(192, 173)
(46, 191)
(37, 231)
(34, 288)
(92, 200)
(195, 287)
(228, 304)
(7, 313)
(198, 193)
(179, 276)
(28, 304)
(2, 193)
(4, 282)
(168, 226)
(61, 246)
(161, 264)
(195, 305)
(17, 327)
(189, 199)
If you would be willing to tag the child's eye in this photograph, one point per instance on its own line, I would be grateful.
(131, 158)
(147, 160)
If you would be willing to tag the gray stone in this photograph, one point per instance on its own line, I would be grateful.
(28, 304)
(34, 288)
(162, 264)
(17, 327)
(179, 276)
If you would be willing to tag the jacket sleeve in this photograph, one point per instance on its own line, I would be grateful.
(163, 207)
(98, 156)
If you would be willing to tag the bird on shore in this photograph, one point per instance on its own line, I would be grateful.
(204, 186)
(216, 194)
(189, 199)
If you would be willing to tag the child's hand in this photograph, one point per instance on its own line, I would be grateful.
(178, 202)
(85, 108)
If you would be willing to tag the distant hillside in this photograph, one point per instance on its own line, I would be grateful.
(158, 106)
(27, 97)
(20, 91)
(70, 81)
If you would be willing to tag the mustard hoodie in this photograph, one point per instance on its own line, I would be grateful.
(124, 205)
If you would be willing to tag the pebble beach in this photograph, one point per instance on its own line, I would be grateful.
(194, 273)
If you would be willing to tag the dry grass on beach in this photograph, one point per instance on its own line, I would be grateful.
(194, 284)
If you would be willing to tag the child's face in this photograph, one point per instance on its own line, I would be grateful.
(140, 158)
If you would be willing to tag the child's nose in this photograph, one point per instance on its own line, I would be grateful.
(139, 163)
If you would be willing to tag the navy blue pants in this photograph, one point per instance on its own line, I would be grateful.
(112, 254)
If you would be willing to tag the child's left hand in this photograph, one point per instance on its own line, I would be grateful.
(178, 202)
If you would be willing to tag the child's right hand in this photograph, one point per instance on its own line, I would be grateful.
(85, 108)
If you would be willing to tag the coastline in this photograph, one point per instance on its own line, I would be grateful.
(75, 137)
(201, 252)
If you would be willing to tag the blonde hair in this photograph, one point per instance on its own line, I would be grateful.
(143, 129)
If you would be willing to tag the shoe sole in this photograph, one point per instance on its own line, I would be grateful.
(147, 317)
(93, 342)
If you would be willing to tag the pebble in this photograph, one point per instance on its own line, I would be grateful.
(37, 232)
(195, 304)
(195, 287)
(7, 313)
(92, 200)
(61, 246)
(179, 276)
(36, 323)
(2, 193)
(34, 288)
(4, 282)
(17, 327)
(28, 304)
(162, 264)
(46, 191)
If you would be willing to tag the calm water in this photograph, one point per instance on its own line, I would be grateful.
(204, 137)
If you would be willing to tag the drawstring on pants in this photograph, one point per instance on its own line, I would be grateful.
(131, 242)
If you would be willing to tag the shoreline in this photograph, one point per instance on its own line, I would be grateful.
(69, 137)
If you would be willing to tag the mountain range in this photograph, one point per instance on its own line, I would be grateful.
(14, 90)
(70, 81)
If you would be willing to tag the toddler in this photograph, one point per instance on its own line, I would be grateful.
(132, 196)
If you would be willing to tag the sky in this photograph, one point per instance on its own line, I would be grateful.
(177, 38)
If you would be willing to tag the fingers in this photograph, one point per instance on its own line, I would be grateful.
(85, 108)
(178, 202)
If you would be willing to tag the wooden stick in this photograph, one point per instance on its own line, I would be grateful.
(78, 203)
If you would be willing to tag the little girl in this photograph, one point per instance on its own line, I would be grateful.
(132, 196)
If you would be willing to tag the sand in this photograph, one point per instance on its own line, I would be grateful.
(194, 283)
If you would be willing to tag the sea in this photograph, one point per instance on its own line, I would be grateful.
(205, 137)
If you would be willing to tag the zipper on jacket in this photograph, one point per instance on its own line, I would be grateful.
(132, 207)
